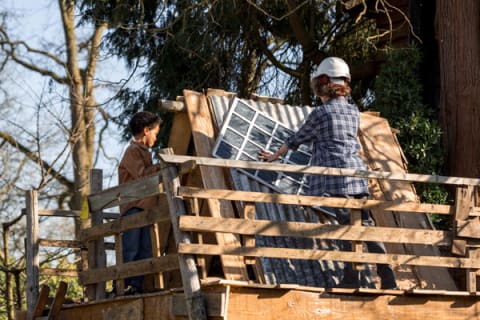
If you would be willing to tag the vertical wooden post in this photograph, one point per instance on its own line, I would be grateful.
(120, 283)
(357, 246)
(96, 248)
(463, 202)
(191, 282)
(31, 248)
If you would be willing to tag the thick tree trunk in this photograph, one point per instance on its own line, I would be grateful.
(458, 36)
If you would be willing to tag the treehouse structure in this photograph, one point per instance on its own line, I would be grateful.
(234, 238)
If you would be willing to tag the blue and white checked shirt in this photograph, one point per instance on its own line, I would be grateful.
(332, 129)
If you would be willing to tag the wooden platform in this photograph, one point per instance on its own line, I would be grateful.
(240, 300)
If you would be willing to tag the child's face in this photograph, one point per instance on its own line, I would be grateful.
(151, 135)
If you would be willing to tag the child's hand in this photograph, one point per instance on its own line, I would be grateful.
(266, 156)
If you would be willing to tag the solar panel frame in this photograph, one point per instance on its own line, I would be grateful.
(260, 132)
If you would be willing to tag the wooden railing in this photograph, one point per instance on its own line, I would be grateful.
(463, 239)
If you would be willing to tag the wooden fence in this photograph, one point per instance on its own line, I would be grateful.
(462, 239)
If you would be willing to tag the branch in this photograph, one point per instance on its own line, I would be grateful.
(10, 52)
(33, 156)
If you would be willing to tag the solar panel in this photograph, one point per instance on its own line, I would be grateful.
(246, 131)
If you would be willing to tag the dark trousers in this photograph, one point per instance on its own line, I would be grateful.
(136, 245)
(351, 276)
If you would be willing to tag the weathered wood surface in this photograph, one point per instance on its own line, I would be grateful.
(240, 164)
(254, 301)
(59, 272)
(284, 253)
(314, 201)
(131, 269)
(314, 230)
(39, 305)
(188, 269)
(383, 153)
(31, 248)
(138, 189)
(253, 304)
(58, 301)
(135, 221)
(204, 139)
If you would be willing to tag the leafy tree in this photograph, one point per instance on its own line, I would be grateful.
(398, 96)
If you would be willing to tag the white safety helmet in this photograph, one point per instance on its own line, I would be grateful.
(333, 67)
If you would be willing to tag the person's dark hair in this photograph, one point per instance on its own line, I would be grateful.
(143, 119)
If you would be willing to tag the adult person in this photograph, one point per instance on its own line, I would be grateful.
(332, 130)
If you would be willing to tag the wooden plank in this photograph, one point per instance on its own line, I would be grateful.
(156, 252)
(128, 311)
(204, 137)
(357, 246)
(241, 164)
(31, 248)
(188, 269)
(468, 228)
(97, 258)
(112, 197)
(180, 134)
(74, 244)
(59, 272)
(130, 269)
(39, 305)
(463, 202)
(312, 200)
(249, 241)
(268, 304)
(135, 221)
(306, 254)
(58, 301)
(216, 303)
(314, 230)
(119, 285)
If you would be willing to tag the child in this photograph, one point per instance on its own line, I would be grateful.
(137, 163)
(332, 129)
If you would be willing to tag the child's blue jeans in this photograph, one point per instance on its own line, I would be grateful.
(136, 245)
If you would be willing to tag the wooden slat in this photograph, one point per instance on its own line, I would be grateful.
(31, 246)
(74, 244)
(180, 134)
(59, 272)
(188, 269)
(249, 241)
(131, 269)
(216, 302)
(58, 301)
(138, 189)
(40, 304)
(240, 164)
(204, 138)
(314, 230)
(119, 285)
(287, 253)
(135, 221)
(312, 200)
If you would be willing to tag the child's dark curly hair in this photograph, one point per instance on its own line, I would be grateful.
(143, 119)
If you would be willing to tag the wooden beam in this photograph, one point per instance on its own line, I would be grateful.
(135, 221)
(273, 304)
(313, 200)
(97, 258)
(171, 105)
(40, 303)
(256, 165)
(112, 197)
(74, 244)
(188, 269)
(130, 269)
(306, 254)
(180, 134)
(204, 138)
(59, 272)
(314, 230)
(58, 301)
(31, 248)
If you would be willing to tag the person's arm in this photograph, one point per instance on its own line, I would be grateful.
(135, 165)
(269, 157)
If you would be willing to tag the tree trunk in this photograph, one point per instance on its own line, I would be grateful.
(458, 36)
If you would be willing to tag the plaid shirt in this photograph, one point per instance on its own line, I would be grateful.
(332, 129)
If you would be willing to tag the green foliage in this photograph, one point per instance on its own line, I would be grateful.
(398, 96)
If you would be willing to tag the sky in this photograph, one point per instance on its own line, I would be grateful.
(39, 24)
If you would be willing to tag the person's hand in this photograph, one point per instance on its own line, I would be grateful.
(267, 156)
